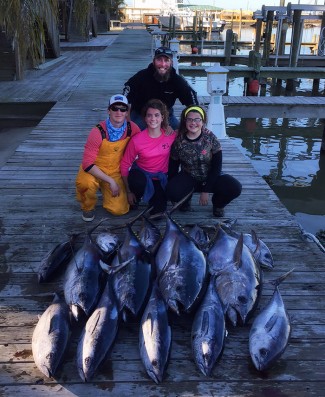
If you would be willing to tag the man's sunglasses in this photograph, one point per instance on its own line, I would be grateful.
(162, 51)
(116, 108)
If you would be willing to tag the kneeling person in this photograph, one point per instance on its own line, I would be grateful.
(100, 166)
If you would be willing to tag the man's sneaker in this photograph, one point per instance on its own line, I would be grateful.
(88, 216)
(218, 212)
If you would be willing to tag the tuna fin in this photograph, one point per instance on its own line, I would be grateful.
(205, 323)
(238, 251)
(54, 325)
(174, 257)
(271, 323)
(96, 322)
(279, 280)
(117, 268)
(255, 240)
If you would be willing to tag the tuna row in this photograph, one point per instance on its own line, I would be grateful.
(216, 278)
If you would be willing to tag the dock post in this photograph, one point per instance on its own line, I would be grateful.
(281, 43)
(228, 45)
(315, 89)
(252, 83)
(194, 30)
(267, 39)
(296, 38)
(173, 26)
(258, 31)
(295, 44)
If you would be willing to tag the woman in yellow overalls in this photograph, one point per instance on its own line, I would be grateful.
(100, 166)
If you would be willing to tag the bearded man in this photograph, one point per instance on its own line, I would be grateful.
(158, 81)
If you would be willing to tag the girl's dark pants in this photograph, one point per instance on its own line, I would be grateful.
(137, 183)
(225, 189)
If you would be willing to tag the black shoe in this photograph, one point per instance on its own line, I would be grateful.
(218, 212)
(186, 207)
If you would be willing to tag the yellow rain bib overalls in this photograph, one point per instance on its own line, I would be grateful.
(108, 160)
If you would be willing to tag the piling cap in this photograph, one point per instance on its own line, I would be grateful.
(118, 98)
(163, 52)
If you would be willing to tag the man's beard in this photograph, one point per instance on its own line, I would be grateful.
(161, 78)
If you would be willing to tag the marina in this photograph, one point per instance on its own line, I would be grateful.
(38, 207)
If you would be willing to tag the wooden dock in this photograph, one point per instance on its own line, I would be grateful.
(38, 209)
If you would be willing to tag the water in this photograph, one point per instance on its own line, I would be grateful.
(285, 152)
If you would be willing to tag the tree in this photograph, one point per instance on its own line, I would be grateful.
(24, 24)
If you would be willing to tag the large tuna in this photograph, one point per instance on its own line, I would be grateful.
(270, 331)
(131, 271)
(181, 269)
(56, 259)
(98, 335)
(50, 337)
(238, 277)
(208, 331)
(84, 279)
(155, 336)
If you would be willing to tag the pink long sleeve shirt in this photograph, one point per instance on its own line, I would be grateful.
(150, 154)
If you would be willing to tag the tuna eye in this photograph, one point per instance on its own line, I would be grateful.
(154, 363)
(263, 352)
(242, 299)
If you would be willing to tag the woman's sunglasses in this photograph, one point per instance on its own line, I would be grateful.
(116, 108)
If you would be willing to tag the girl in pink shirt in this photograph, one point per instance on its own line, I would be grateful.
(144, 165)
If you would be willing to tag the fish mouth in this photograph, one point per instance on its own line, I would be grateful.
(205, 371)
(155, 377)
(46, 371)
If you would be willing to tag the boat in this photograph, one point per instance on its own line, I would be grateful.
(184, 17)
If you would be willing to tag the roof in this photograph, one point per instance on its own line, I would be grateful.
(194, 7)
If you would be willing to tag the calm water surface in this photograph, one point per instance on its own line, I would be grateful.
(285, 152)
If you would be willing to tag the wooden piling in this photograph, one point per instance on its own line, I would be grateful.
(267, 39)
(228, 45)
(315, 88)
(258, 34)
(295, 44)
(296, 38)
